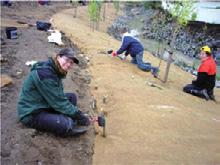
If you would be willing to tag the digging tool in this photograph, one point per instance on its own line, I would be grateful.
(101, 121)
(153, 85)
(111, 51)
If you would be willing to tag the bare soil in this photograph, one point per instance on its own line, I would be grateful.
(145, 124)
(20, 145)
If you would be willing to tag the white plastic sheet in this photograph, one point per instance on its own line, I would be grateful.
(55, 37)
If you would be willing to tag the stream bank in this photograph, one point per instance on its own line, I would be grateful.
(154, 28)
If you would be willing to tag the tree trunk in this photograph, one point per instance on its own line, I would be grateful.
(92, 25)
(104, 9)
(170, 59)
(97, 25)
(75, 12)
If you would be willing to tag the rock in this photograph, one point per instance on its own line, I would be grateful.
(86, 79)
(30, 63)
(104, 99)
(135, 11)
(2, 59)
(3, 37)
(5, 80)
(39, 162)
(18, 74)
(146, 31)
(81, 55)
(217, 84)
(146, 28)
(5, 153)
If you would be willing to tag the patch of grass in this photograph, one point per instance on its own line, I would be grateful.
(218, 72)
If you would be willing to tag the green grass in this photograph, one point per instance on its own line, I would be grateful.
(218, 73)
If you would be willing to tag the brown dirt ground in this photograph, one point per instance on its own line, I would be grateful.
(20, 145)
(145, 125)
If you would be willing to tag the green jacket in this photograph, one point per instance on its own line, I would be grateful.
(43, 88)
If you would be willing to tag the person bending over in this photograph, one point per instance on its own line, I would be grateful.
(131, 45)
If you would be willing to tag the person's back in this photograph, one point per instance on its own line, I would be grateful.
(131, 45)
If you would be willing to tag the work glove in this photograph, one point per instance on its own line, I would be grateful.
(114, 54)
(81, 118)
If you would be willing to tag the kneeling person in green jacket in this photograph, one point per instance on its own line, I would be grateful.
(43, 105)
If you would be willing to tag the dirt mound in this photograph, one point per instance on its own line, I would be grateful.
(20, 145)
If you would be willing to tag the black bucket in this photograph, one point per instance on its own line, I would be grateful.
(11, 32)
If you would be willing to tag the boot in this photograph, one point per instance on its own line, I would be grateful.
(212, 97)
(76, 131)
(202, 93)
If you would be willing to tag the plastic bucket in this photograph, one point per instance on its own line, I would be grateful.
(11, 32)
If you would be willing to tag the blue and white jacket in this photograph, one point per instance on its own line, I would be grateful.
(131, 45)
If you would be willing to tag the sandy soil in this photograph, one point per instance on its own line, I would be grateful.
(20, 145)
(145, 125)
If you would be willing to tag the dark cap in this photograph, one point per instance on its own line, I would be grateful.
(70, 53)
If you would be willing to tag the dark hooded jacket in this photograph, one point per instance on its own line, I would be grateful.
(42, 89)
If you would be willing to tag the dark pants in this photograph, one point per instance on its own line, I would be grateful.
(51, 121)
(138, 59)
(192, 89)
